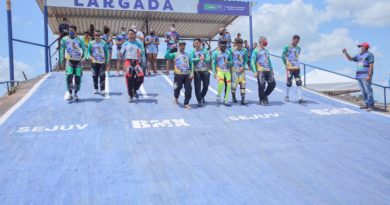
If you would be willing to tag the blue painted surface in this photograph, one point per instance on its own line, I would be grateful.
(297, 158)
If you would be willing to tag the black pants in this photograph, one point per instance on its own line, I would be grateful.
(99, 72)
(134, 78)
(265, 78)
(179, 81)
(73, 68)
(201, 77)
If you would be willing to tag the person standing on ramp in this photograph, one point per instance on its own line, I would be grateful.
(98, 53)
(132, 51)
(262, 68)
(199, 58)
(74, 50)
(221, 63)
(183, 73)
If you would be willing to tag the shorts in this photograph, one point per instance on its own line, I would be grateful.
(118, 55)
(296, 74)
(151, 50)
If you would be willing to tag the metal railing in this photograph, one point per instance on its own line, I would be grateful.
(305, 65)
(10, 84)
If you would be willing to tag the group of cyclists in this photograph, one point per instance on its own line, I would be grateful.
(228, 63)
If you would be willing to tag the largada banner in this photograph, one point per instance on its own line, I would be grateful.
(178, 6)
(223, 7)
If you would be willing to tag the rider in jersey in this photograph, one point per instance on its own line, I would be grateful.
(131, 52)
(73, 48)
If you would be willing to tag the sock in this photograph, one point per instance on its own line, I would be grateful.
(288, 91)
(299, 92)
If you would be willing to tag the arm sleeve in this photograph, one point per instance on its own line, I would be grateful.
(253, 60)
(62, 50)
(270, 63)
(355, 58)
(370, 59)
(169, 55)
(284, 58)
(82, 45)
(207, 58)
(214, 62)
(89, 51)
(245, 58)
(230, 59)
(192, 59)
(106, 52)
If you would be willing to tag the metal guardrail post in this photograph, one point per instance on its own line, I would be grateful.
(50, 65)
(10, 42)
(384, 95)
(304, 75)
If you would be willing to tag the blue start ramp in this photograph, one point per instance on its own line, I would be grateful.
(107, 151)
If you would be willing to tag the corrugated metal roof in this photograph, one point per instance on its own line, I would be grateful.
(188, 25)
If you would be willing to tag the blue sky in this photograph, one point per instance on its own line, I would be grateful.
(325, 26)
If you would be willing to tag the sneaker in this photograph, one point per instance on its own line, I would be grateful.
(370, 109)
(218, 99)
(244, 102)
(227, 103)
(286, 99)
(200, 104)
(102, 93)
(234, 99)
(203, 101)
(75, 97)
(136, 94)
(300, 101)
(176, 101)
(131, 100)
(69, 98)
(262, 102)
(96, 91)
(363, 107)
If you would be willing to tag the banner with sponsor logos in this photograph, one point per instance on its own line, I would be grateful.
(178, 6)
(235, 8)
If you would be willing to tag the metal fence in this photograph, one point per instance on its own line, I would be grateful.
(306, 66)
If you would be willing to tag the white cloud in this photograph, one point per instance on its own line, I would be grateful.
(329, 45)
(373, 13)
(280, 21)
(19, 66)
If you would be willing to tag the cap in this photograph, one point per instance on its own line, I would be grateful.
(182, 42)
(365, 45)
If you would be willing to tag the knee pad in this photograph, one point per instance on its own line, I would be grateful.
(298, 82)
(289, 83)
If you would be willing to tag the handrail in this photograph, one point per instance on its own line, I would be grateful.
(323, 69)
(27, 42)
(10, 84)
(340, 74)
